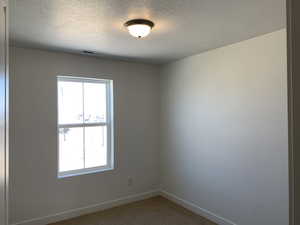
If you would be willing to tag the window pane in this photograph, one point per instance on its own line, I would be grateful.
(95, 146)
(94, 102)
(71, 149)
(70, 102)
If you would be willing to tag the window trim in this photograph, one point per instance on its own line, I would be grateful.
(109, 124)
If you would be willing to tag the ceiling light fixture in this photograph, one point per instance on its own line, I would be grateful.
(139, 28)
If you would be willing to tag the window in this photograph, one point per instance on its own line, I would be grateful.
(85, 125)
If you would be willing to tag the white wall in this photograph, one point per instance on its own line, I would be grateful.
(224, 131)
(35, 189)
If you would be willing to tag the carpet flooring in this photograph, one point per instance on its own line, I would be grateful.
(152, 211)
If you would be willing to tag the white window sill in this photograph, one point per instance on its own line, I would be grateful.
(83, 172)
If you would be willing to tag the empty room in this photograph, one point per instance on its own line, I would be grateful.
(146, 112)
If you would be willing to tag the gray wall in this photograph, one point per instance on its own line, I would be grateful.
(224, 131)
(35, 189)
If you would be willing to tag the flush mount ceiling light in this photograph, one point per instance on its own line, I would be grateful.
(139, 28)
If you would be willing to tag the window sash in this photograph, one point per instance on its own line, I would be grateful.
(110, 157)
(108, 123)
(109, 94)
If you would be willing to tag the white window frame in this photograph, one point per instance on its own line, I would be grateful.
(109, 124)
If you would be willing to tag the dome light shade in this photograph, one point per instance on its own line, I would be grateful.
(139, 28)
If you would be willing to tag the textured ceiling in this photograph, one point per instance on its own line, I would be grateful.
(182, 27)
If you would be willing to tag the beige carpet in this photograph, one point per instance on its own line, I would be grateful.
(152, 211)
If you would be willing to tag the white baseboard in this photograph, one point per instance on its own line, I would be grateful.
(88, 209)
(196, 209)
(121, 201)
